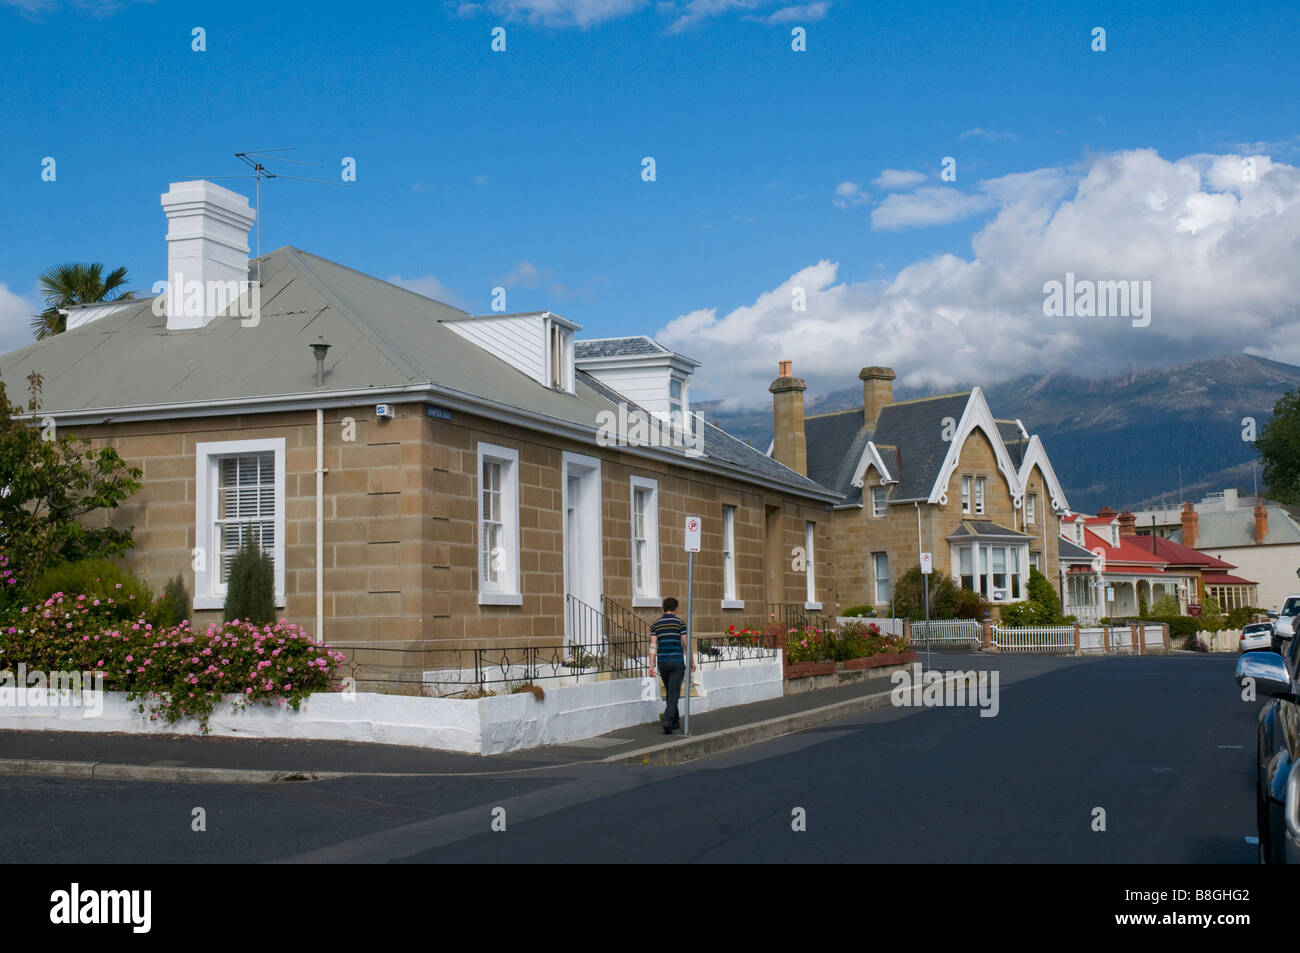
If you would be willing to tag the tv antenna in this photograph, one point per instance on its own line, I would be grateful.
(255, 160)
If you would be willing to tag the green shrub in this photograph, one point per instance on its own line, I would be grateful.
(250, 590)
(1166, 607)
(971, 605)
(122, 594)
(1211, 619)
(1242, 616)
(909, 596)
(173, 606)
(858, 612)
(1183, 627)
(1021, 614)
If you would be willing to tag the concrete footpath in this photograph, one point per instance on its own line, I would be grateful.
(182, 758)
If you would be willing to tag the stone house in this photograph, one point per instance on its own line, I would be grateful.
(939, 475)
(417, 472)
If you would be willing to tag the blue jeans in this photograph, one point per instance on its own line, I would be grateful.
(672, 673)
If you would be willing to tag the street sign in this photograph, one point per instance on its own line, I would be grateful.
(927, 563)
(692, 534)
(1110, 593)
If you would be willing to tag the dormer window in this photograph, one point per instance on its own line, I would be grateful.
(561, 357)
(676, 407)
(1114, 535)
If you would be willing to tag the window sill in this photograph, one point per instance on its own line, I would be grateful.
(219, 602)
(500, 599)
(646, 602)
(733, 603)
(813, 606)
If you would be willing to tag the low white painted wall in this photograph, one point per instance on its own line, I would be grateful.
(490, 725)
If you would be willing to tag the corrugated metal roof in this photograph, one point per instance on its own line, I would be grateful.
(1237, 528)
(380, 336)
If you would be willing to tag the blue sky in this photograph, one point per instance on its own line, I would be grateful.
(775, 169)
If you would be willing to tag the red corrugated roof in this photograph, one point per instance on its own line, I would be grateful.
(1177, 554)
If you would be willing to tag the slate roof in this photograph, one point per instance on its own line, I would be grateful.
(1017, 444)
(381, 336)
(618, 347)
(985, 529)
(1072, 551)
(908, 434)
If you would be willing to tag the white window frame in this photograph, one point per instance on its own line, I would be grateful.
(729, 600)
(878, 511)
(649, 596)
(810, 573)
(979, 496)
(208, 593)
(965, 494)
(1031, 507)
(506, 591)
(875, 572)
(557, 333)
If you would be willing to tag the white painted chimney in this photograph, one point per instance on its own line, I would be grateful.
(207, 244)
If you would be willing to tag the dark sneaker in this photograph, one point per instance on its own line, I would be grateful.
(668, 729)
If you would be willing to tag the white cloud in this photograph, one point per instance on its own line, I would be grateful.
(891, 179)
(849, 193)
(978, 133)
(693, 12)
(565, 13)
(99, 9)
(429, 286)
(1219, 253)
(15, 319)
(800, 13)
(932, 205)
(524, 274)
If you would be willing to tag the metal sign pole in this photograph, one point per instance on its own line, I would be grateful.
(690, 631)
(926, 577)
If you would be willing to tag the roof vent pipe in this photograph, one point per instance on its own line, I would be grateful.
(320, 350)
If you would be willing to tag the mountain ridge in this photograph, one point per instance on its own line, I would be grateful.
(1123, 440)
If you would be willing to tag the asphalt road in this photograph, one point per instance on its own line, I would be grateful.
(1164, 746)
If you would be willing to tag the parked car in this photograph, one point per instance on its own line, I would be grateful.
(1257, 635)
(1276, 680)
(1286, 616)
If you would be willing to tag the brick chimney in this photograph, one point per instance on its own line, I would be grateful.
(877, 391)
(1189, 520)
(790, 446)
(1261, 522)
(1107, 511)
(207, 251)
(1127, 524)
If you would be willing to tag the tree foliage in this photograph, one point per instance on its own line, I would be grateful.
(64, 286)
(1278, 444)
(250, 589)
(909, 596)
(49, 483)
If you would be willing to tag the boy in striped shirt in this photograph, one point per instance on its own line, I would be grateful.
(670, 647)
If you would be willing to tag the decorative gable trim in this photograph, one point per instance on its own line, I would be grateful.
(977, 414)
(871, 458)
(1036, 456)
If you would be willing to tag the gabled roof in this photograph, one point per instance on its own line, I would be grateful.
(835, 445)
(1070, 552)
(386, 343)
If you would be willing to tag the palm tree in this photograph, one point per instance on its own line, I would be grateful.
(66, 285)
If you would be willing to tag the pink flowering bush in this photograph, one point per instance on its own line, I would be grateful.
(175, 672)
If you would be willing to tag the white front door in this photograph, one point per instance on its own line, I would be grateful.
(583, 565)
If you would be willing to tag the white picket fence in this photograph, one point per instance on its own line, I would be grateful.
(948, 632)
(1034, 638)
